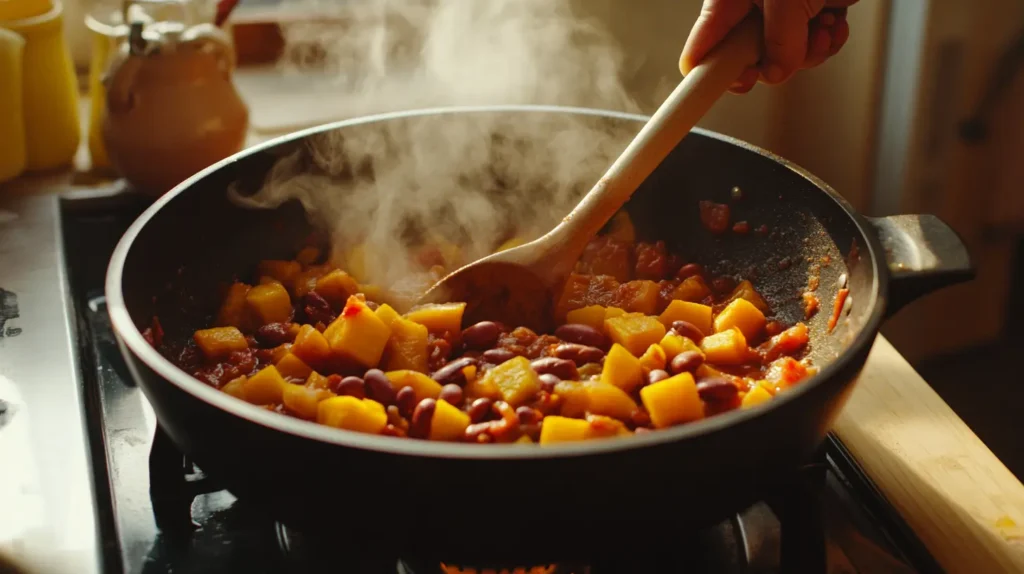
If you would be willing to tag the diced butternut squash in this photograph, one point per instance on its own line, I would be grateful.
(305, 281)
(694, 313)
(351, 413)
(621, 228)
(236, 387)
(742, 315)
(481, 387)
(373, 292)
(303, 400)
(449, 423)
(515, 379)
(638, 297)
(612, 312)
(293, 368)
(283, 271)
(509, 244)
(653, 358)
(745, 290)
(233, 310)
(265, 387)
(359, 334)
(407, 346)
(219, 342)
(605, 427)
(438, 317)
(574, 398)
(387, 314)
(336, 287)
(307, 256)
(317, 381)
(355, 262)
(691, 289)
(592, 315)
(422, 385)
(589, 371)
(609, 400)
(524, 439)
(726, 348)
(311, 346)
(673, 344)
(563, 429)
(585, 290)
(278, 352)
(270, 303)
(755, 396)
(622, 369)
(673, 401)
(634, 331)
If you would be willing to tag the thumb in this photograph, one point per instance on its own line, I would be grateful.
(785, 36)
(717, 18)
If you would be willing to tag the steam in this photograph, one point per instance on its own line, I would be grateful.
(465, 180)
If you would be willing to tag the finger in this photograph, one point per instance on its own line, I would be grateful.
(744, 88)
(819, 46)
(746, 81)
(840, 34)
(717, 18)
(839, 3)
(785, 36)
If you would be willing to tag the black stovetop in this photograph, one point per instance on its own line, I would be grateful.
(159, 514)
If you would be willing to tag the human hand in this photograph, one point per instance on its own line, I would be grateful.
(798, 34)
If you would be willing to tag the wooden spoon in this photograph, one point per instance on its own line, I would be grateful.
(516, 286)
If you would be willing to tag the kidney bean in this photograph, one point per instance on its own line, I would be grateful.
(452, 394)
(349, 386)
(579, 354)
(481, 336)
(422, 415)
(689, 270)
(378, 387)
(480, 409)
(479, 433)
(406, 401)
(686, 362)
(688, 330)
(723, 284)
(528, 416)
(656, 375)
(562, 368)
(497, 356)
(548, 381)
(317, 309)
(582, 335)
(451, 374)
(717, 389)
(273, 334)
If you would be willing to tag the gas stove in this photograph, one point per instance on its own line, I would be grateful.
(98, 487)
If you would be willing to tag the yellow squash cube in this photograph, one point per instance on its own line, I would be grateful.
(694, 313)
(654, 358)
(336, 287)
(317, 381)
(605, 427)
(305, 281)
(449, 423)
(574, 398)
(609, 400)
(355, 262)
(233, 310)
(407, 346)
(236, 387)
(743, 315)
(481, 387)
(745, 290)
(303, 400)
(422, 385)
(270, 303)
(439, 317)
(673, 401)
(307, 255)
(351, 413)
(292, 368)
(592, 316)
(691, 289)
(283, 271)
(640, 296)
(610, 312)
(265, 387)
(634, 331)
(673, 343)
(387, 314)
(755, 396)
(311, 346)
(358, 334)
(515, 379)
(219, 342)
(726, 348)
(563, 429)
(622, 369)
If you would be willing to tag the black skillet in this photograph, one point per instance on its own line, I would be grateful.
(362, 491)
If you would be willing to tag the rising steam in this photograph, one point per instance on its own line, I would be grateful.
(470, 180)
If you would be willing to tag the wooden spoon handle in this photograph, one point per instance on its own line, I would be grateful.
(687, 104)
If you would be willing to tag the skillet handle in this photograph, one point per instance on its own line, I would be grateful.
(923, 254)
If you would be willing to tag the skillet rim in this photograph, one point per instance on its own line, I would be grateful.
(130, 337)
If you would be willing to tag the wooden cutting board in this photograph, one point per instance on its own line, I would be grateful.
(959, 499)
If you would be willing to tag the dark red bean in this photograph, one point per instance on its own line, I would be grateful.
(481, 336)
(452, 394)
(422, 415)
(274, 334)
(639, 419)
(479, 433)
(378, 387)
(548, 382)
(317, 309)
(685, 362)
(723, 284)
(689, 270)
(451, 374)
(406, 401)
(528, 416)
(688, 330)
(350, 386)
(497, 356)
(656, 375)
(562, 368)
(579, 354)
(480, 410)
(717, 389)
(582, 335)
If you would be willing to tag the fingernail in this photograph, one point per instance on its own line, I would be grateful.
(773, 73)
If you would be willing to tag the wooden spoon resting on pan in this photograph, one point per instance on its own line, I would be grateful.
(516, 286)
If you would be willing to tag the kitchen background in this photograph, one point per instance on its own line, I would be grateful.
(883, 123)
